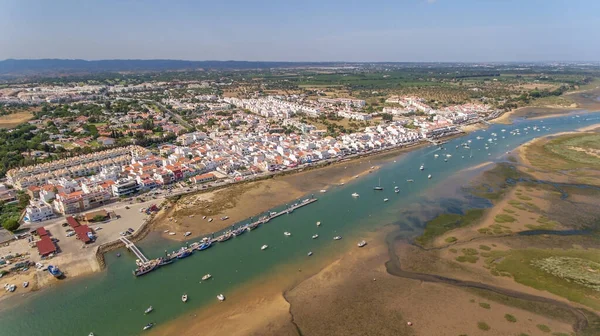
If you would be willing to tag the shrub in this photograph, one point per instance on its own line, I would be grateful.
(11, 224)
(483, 326)
(484, 305)
(484, 247)
(543, 328)
(451, 239)
(510, 318)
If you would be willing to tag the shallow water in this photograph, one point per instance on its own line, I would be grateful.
(113, 302)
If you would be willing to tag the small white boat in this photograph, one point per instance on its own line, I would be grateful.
(287, 233)
(203, 217)
(411, 180)
(318, 223)
(206, 277)
(210, 219)
(91, 334)
(355, 195)
(315, 236)
(309, 254)
(385, 199)
(337, 237)
(221, 297)
(429, 176)
(184, 298)
(264, 247)
(448, 155)
(148, 310)
(148, 326)
(166, 231)
(435, 155)
(171, 233)
(25, 284)
(187, 233)
(422, 167)
(323, 190)
(362, 243)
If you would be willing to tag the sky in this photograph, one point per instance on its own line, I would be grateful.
(303, 30)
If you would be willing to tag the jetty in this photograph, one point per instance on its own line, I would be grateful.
(146, 265)
(131, 246)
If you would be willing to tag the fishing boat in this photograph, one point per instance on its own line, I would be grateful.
(337, 237)
(411, 180)
(378, 187)
(318, 223)
(204, 245)
(385, 199)
(422, 167)
(25, 284)
(148, 326)
(165, 261)
(221, 297)
(148, 310)
(57, 273)
(362, 243)
(184, 253)
(264, 247)
(184, 298)
(315, 236)
(429, 176)
(310, 253)
(145, 269)
(206, 277)
(355, 195)
(239, 231)
(225, 237)
(187, 234)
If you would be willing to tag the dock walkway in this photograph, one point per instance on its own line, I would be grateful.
(131, 246)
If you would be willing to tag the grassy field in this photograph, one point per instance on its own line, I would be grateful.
(572, 274)
(446, 222)
(570, 151)
(12, 120)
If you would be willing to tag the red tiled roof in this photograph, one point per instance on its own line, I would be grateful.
(45, 246)
(81, 232)
(72, 222)
(42, 232)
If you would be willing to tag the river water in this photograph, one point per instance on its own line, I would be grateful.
(112, 302)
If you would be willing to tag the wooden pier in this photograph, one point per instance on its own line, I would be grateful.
(156, 263)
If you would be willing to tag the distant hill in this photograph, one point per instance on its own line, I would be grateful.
(19, 67)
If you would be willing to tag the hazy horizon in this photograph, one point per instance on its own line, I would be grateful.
(467, 31)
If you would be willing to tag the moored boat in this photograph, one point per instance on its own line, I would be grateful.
(206, 277)
(148, 326)
(148, 310)
(264, 247)
(429, 176)
(144, 269)
(385, 199)
(310, 253)
(362, 243)
(55, 271)
(204, 245)
(337, 237)
(287, 234)
(184, 298)
(355, 195)
(184, 253)
(187, 234)
(221, 297)
(25, 284)
(318, 223)
(315, 236)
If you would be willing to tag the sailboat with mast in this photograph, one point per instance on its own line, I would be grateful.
(378, 186)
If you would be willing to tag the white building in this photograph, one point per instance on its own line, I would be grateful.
(38, 211)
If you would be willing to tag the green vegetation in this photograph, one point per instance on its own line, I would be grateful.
(510, 318)
(524, 198)
(446, 222)
(450, 239)
(572, 274)
(543, 328)
(467, 258)
(484, 305)
(11, 224)
(483, 326)
(504, 218)
(485, 248)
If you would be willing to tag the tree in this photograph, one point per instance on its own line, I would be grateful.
(387, 117)
(98, 218)
(11, 224)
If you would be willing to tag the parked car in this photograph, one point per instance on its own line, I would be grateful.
(70, 234)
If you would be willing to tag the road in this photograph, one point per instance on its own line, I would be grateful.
(174, 115)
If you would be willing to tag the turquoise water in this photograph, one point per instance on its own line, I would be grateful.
(112, 302)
